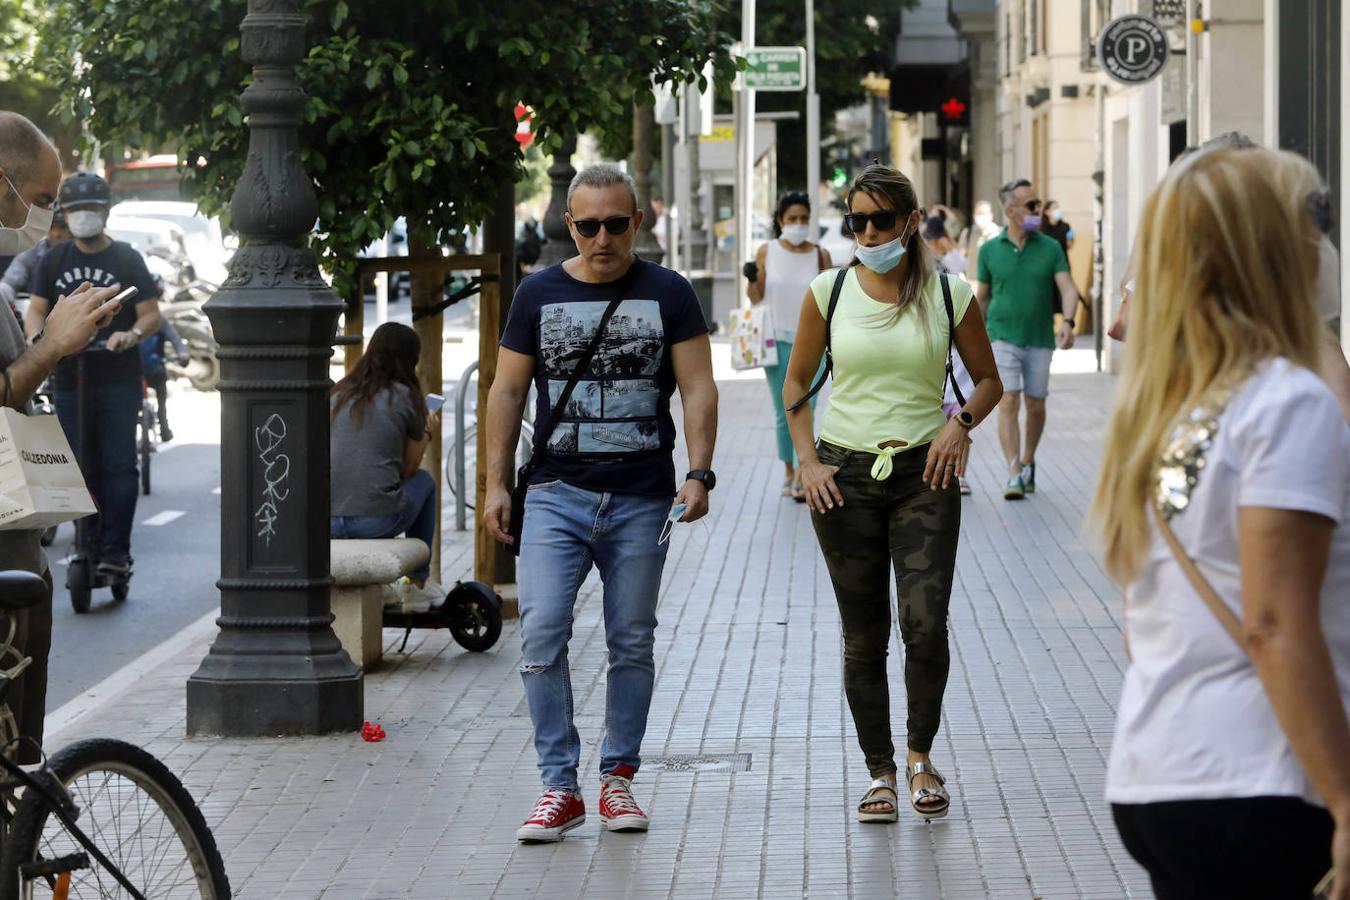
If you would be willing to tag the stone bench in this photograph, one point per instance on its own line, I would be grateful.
(364, 572)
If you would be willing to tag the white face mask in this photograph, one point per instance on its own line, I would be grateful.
(984, 220)
(14, 241)
(85, 224)
(1053, 216)
(796, 235)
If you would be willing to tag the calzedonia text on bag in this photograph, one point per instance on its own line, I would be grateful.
(40, 480)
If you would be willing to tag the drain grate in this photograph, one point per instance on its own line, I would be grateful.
(707, 762)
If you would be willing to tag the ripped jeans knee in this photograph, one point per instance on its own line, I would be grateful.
(533, 668)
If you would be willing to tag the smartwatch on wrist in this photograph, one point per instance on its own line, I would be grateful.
(704, 475)
(139, 334)
(965, 420)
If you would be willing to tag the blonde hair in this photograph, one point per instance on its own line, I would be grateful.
(1225, 280)
(890, 189)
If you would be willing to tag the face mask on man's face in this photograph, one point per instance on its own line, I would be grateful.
(14, 241)
(85, 224)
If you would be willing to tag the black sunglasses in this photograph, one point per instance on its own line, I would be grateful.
(591, 227)
(883, 220)
(1318, 205)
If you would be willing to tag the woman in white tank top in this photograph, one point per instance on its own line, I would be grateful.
(783, 270)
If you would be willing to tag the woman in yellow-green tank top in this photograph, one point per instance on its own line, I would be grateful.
(882, 480)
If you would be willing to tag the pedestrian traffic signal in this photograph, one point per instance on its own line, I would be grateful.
(954, 109)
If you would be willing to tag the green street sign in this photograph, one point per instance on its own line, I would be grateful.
(775, 69)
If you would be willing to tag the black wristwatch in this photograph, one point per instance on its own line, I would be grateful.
(704, 475)
(1070, 322)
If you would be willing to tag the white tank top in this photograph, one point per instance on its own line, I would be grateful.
(787, 278)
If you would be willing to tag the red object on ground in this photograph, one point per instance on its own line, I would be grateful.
(372, 732)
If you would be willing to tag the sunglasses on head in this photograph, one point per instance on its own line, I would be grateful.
(1318, 205)
(591, 227)
(882, 220)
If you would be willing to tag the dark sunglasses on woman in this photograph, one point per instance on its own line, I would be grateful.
(883, 220)
(591, 227)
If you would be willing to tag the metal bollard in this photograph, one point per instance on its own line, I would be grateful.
(461, 501)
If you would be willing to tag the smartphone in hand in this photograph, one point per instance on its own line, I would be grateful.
(119, 298)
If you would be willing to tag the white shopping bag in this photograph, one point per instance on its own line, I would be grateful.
(40, 480)
(752, 341)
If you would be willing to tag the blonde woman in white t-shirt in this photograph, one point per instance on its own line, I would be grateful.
(1230, 769)
(783, 270)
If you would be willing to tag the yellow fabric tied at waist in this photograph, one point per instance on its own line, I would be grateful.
(881, 466)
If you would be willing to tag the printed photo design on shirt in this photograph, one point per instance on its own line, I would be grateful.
(615, 411)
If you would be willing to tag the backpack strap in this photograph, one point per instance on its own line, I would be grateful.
(951, 336)
(829, 356)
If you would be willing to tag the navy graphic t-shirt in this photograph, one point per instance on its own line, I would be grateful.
(63, 269)
(616, 434)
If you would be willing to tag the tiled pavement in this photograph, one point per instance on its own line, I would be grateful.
(748, 656)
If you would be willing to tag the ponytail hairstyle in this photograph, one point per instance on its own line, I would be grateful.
(890, 189)
(786, 202)
(390, 359)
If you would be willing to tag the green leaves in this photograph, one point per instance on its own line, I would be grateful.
(408, 107)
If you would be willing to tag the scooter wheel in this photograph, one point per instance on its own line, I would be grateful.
(121, 590)
(77, 582)
(475, 615)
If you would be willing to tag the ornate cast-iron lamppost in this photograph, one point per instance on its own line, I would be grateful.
(275, 667)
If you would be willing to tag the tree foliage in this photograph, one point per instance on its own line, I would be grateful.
(409, 106)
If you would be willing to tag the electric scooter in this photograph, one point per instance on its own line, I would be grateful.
(82, 575)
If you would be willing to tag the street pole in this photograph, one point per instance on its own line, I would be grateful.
(644, 124)
(812, 122)
(745, 143)
(558, 243)
(1192, 74)
(276, 667)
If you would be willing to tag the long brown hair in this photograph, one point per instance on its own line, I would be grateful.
(390, 359)
(890, 189)
(1225, 281)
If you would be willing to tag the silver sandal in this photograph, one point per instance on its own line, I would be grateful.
(929, 810)
(874, 795)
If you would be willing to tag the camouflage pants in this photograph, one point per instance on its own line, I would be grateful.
(904, 523)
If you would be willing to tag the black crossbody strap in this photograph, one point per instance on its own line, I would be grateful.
(542, 435)
(829, 354)
(951, 337)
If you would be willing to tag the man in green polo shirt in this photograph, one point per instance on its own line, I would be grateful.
(1020, 273)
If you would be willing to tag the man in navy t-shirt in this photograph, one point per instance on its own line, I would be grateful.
(602, 491)
(111, 367)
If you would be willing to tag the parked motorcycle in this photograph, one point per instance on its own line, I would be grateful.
(184, 310)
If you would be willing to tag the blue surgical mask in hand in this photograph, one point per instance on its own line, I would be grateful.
(675, 512)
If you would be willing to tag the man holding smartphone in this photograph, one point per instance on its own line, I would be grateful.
(30, 175)
(112, 375)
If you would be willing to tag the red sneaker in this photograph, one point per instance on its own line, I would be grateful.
(556, 813)
(618, 810)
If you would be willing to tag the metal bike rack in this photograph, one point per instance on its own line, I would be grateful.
(461, 391)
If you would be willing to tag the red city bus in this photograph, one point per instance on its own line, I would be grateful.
(153, 178)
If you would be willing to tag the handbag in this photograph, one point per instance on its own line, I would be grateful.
(752, 338)
(541, 435)
(1221, 611)
(829, 355)
(40, 480)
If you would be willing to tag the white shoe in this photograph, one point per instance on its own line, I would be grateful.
(414, 599)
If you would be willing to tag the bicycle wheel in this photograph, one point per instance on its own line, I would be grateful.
(136, 812)
(147, 423)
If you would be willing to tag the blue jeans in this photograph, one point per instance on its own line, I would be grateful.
(567, 529)
(416, 517)
(108, 459)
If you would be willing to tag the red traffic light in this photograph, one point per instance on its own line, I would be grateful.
(954, 108)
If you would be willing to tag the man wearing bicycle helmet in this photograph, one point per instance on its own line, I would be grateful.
(112, 376)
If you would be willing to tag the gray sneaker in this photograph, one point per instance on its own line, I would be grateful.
(1014, 489)
(1029, 478)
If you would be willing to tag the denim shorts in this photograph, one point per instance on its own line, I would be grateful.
(1023, 369)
